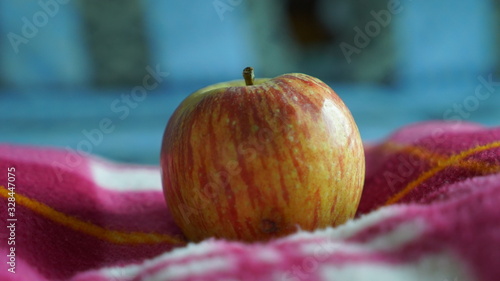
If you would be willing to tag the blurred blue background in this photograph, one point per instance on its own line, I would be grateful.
(103, 77)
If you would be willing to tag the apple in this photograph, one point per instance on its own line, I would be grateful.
(252, 160)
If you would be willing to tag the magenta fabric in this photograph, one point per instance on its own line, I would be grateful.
(430, 210)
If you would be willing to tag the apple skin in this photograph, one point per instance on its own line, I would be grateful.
(256, 162)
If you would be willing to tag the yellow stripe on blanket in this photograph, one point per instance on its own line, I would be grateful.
(441, 165)
(436, 158)
(113, 236)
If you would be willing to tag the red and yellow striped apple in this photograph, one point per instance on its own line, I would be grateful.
(256, 159)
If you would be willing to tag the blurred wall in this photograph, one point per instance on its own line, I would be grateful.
(43, 44)
(391, 42)
(108, 43)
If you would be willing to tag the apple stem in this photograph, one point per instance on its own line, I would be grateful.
(248, 75)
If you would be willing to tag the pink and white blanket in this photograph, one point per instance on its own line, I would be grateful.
(430, 211)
